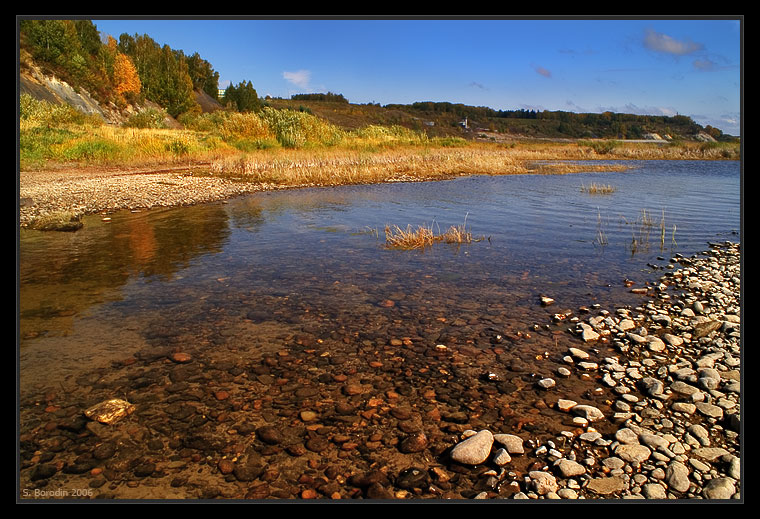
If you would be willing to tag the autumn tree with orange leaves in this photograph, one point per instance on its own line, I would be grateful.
(126, 80)
(125, 77)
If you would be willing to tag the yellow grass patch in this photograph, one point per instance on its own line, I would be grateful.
(424, 236)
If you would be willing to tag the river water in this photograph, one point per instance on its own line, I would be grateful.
(272, 268)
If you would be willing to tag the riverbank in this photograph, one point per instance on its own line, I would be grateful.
(62, 192)
(645, 402)
(62, 196)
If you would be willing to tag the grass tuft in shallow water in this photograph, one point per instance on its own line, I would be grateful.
(424, 236)
(598, 189)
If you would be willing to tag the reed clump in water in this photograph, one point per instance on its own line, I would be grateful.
(643, 227)
(424, 236)
(598, 189)
(601, 237)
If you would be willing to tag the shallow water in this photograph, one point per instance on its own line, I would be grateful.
(266, 268)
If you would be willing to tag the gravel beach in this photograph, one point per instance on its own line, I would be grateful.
(660, 420)
(104, 190)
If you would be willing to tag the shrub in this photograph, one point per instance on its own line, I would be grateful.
(149, 118)
(600, 147)
(34, 112)
(178, 147)
(299, 129)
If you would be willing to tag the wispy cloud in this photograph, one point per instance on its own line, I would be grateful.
(542, 71)
(300, 78)
(631, 108)
(660, 42)
(475, 84)
(573, 107)
(728, 123)
(704, 64)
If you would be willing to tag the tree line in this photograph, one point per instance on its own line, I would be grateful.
(329, 97)
(570, 124)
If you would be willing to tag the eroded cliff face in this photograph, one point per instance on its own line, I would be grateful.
(53, 90)
(49, 88)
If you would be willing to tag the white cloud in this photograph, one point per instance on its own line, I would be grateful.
(704, 64)
(300, 78)
(660, 42)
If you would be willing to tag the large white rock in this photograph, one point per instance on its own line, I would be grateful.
(543, 482)
(513, 443)
(474, 450)
(589, 412)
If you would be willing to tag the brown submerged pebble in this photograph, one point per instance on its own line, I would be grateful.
(417, 442)
(269, 434)
(226, 466)
(181, 358)
(321, 423)
(317, 444)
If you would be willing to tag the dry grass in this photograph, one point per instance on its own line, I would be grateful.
(339, 166)
(424, 236)
(598, 189)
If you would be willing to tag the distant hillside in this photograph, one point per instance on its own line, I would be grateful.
(65, 61)
(435, 119)
(482, 123)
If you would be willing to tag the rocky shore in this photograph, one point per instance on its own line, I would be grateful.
(82, 192)
(655, 413)
(677, 397)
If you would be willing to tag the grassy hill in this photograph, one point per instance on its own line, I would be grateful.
(482, 123)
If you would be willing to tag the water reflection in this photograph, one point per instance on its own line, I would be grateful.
(63, 274)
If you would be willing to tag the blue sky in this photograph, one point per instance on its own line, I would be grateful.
(645, 66)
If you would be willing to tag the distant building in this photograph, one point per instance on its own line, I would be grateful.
(220, 93)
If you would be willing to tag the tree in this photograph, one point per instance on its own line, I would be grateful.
(125, 77)
(89, 37)
(163, 73)
(243, 97)
(46, 38)
(203, 76)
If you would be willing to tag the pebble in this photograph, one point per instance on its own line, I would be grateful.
(607, 485)
(657, 423)
(511, 442)
(570, 468)
(474, 450)
(719, 488)
(543, 482)
(588, 412)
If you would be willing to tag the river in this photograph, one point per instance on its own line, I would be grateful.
(284, 257)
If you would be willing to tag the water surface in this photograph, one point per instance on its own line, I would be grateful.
(264, 268)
